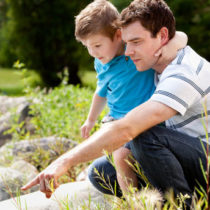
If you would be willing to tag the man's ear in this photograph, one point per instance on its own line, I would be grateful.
(163, 33)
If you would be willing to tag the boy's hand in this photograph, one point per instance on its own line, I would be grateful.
(166, 55)
(169, 51)
(86, 128)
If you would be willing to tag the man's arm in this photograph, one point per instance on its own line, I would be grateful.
(109, 138)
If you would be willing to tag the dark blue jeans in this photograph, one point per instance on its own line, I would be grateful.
(169, 159)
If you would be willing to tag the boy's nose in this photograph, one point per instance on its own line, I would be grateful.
(92, 53)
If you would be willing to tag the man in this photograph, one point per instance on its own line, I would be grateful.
(170, 157)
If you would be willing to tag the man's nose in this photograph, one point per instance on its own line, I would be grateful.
(129, 51)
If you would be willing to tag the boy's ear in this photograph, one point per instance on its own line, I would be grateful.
(163, 33)
(118, 34)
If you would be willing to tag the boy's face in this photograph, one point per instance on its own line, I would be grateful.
(102, 47)
(141, 47)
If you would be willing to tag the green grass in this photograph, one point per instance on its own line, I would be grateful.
(11, 81)
(88, 78)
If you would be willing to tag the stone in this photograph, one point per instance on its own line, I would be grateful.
(24, 149)
(76, 195)
(7, 103)
(10, 179)
(25, 168)
(83, 175)
(21, 105)
(46, 143)
(4, 126)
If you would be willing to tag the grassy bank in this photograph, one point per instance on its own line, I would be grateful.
(11, 81)
(12, 84)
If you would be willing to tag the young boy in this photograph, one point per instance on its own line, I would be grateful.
(119, 83)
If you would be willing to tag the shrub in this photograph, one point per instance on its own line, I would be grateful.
(62, 111)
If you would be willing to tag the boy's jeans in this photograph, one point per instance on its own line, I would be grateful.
(169, 159)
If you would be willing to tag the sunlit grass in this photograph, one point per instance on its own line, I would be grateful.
(11, 83)
(88, 78)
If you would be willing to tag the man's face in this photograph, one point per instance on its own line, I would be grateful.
(141, 46)
(102, 47)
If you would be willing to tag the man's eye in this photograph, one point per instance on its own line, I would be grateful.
(97, 45)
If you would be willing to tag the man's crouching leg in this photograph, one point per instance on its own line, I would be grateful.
(103, 176)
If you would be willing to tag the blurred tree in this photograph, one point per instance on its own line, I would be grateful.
(43, 31)
(3, 11)
(192, 17)
(6, 51)
(121, 4)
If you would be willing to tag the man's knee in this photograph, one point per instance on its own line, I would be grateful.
(94, 170)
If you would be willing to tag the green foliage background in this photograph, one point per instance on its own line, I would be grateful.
(192, 17)
(41, 33)
(61, 112)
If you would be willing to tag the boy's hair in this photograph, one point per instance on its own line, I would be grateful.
(100, 16)
(152, 14)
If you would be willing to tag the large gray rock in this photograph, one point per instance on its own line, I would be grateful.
(7, 103)
(28, 170)
(10, 106)
(4, 126)
(26, 147)
(76, 195)
(12, 178)
(46, 143)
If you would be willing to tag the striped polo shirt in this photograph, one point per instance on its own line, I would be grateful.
(185, 86)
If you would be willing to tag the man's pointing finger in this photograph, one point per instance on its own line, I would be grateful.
(34, 182)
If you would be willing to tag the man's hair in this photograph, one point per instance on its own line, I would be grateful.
(100, 16)
(152, 14)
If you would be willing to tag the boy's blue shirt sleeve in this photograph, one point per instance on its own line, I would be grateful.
(102, 85)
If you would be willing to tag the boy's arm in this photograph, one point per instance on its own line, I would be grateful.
(169, 51)
(97, 106)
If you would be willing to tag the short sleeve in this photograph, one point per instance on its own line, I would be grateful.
(178, 91)
(101, 88)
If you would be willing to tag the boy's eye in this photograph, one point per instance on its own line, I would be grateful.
(98, 45)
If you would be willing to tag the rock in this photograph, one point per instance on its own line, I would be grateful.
(83, 175)
(6, 154)
(7, 103)
(76, 195)
(25, 168)
(4, 126)
(10, 179)
(22, 110)
(47, 143)
(24, 149)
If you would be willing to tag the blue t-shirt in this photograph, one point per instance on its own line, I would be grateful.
(123, 86)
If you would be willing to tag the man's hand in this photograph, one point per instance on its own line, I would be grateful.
(47, 179)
